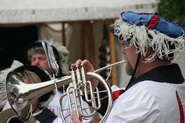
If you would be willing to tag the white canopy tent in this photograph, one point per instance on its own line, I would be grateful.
(36, 11)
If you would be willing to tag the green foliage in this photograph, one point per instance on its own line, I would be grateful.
(174, 10)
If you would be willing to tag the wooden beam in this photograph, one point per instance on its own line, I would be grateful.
(112, 55)
(83, 38)
(90, 43)
(63, 34)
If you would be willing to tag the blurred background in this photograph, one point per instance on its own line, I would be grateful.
(81, 26)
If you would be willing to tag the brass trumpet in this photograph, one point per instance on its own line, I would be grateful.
(20, 94)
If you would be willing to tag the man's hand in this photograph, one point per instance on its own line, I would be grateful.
(75, 118)
(88, 67)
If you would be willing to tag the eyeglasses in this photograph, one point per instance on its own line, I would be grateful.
(126, 44)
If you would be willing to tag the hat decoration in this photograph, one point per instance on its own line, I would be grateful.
(63, 54)
(145, 30)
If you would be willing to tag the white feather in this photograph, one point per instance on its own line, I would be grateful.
(139, 38)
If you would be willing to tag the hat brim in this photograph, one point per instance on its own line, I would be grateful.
(31, 45)
(41, 73)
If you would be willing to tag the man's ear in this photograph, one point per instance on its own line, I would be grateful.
(148, 52)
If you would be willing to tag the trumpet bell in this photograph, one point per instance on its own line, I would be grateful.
(21, 106)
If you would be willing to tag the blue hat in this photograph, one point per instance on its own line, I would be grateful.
(150, 30)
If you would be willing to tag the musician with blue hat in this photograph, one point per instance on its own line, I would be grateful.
(156, 90)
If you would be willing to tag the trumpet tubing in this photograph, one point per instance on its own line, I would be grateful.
(20, 94)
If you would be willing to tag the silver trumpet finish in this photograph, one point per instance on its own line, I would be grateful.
(9, 116)
(20, 94)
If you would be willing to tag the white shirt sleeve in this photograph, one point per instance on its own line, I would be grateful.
(135, 106)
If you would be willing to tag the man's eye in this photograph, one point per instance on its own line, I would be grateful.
(125, 44)
(33, 59)
(43, 58)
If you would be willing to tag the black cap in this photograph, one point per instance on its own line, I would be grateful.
(29, 46)
(42, 74)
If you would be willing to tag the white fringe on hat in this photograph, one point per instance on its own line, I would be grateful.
(138, 36)
(64, 54)
(3, 75)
